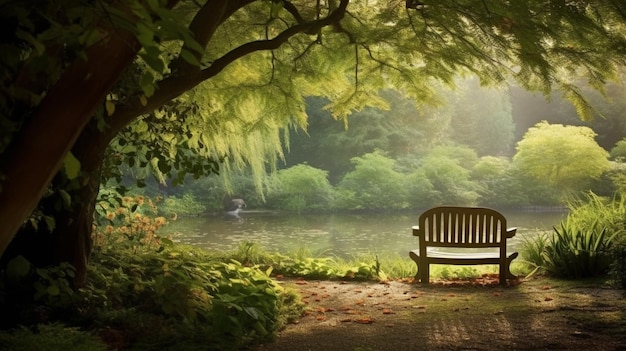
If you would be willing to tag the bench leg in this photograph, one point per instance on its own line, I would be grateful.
(422, 268)
(505, 270)
(424, 272)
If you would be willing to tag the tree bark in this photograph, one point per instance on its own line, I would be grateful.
(73, 234)
(38, 151)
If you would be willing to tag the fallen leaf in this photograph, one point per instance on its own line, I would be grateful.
(545, 287)
(548, 298)
(360, 302)
(364, 320)
(321, 318)
(388, 311)
(345, 320)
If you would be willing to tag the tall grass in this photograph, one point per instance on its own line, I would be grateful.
(585, 243)
(574, 252)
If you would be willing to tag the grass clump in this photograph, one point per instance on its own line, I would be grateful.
(587, 244)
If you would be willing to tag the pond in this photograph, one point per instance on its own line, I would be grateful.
(343, 235)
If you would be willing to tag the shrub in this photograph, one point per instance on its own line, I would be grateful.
(50, 337)
(300, 188)
(35, 294)
(187, 205)
(373, 185)
(179, 293)
(574, 252)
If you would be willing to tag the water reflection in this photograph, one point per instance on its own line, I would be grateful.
(341, 235)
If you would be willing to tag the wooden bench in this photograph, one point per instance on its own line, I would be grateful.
(482, 229)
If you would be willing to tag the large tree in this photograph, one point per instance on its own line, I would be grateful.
(77, 74)
(564, 157)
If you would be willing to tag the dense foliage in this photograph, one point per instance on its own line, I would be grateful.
(589, 243)
(452, 174)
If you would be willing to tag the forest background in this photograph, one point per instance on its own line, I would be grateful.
(496, 147)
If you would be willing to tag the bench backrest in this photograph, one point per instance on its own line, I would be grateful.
(464, 226)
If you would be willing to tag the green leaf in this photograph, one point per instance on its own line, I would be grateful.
(17, 268)
(110, 107)
(71, 166)
(189, 57)
(146, 83)
(67, 199)
(53, 290)
(50, 222)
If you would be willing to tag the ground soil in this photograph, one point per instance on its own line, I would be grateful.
(534, 314)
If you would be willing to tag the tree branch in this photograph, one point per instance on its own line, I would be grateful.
(203, 26)
(174, 86)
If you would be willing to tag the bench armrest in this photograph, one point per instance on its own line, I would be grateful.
(416, 230)
(510, 232)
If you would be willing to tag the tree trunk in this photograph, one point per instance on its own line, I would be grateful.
(73, 241)
(37, 153)
(70, 240)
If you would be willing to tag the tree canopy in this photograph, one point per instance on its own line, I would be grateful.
(209, 83)
(562, 156)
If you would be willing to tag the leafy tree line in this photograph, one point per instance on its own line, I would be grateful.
(552, 164)
(489, 121)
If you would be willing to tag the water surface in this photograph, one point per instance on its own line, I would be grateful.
(337, 234)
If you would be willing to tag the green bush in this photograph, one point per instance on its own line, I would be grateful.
(187, 205)
(178, 294)
(49, 337)
(574, 252)
(372, 185)
(443, 178)
(300, 188)
(187, 289)
(29, 293)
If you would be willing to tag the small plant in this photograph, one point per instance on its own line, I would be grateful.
(532, 251)
(575, 252)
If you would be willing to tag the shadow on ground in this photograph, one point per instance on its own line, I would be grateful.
(537, 314)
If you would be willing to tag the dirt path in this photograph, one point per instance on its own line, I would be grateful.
(534, 315)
